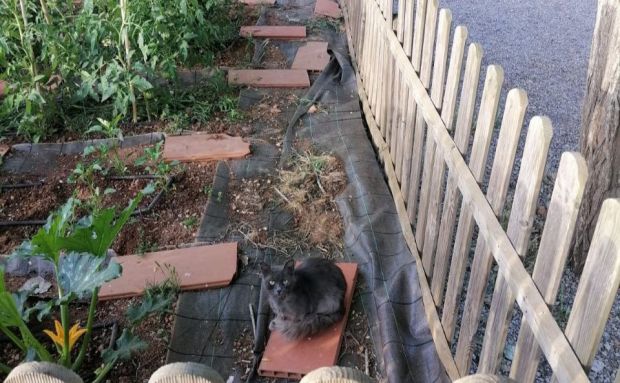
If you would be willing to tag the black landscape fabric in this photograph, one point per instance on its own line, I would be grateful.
(208, 322)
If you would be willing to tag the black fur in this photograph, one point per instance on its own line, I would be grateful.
(306, 299)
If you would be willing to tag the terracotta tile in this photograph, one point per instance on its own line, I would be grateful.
(327, 8)
(293, 359)
(4, 149)
(269, 78)
(280, 32)
(312, 56)
(200, 267)
(2, 87)
(204, 147)
(258, 2)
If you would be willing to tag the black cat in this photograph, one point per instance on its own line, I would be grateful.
(306, 299)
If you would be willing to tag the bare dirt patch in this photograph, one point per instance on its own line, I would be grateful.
(173, 220)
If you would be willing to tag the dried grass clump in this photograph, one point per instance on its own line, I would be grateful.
(310, 185)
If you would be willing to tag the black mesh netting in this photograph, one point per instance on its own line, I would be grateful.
(388, 291)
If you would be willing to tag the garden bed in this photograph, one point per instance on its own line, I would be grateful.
(172, 220)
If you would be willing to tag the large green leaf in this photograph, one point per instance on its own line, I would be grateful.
(141, 83)
(47, 242)
(126, 345)
(9, 312)
(96, 233)
(82, 273)
(42, 309)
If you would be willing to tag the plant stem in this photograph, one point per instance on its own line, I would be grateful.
(64, 318)
(46, 14)
(89, 328)
(104, 372)
(26, 41)
(31, 341)
(14, 338)
(5, 369)
(125, 37)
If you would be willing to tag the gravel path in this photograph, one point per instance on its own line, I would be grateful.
(543, 47)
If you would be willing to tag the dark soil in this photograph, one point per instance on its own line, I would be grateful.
(154, 331)
(238, 55)
(172, 221)
(273, 58)
(175, 218)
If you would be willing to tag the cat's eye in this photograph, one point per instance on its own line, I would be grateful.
(271, 283)
(285, 282)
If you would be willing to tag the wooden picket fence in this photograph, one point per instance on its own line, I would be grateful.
(408, 89)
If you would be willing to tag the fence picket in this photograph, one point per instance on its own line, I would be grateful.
(437, 90)
(408, 27)
(477, 162)
(519, 229)
(598, 285)
(452, 199)
(420, 124)
(403, 109)
(377, 69)
(388, 84)
(369, 40)
(512, 122)
(439, 167)
(416, 59)
(380, 70)
(418, 34)
(388, 64)
(552, 254)
(404, 27)
(400, 25)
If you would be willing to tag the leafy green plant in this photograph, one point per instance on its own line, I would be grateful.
(190, 222)
(154, 163)
(110, 153)
(228, 105)
(86, 174)
(103, 58)
(157, 299)
(77, 249)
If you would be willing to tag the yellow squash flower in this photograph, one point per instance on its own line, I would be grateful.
(59, 336)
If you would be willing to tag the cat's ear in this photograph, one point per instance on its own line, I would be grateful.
(289, 266)
(265, 269)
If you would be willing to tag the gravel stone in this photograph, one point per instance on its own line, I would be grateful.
(543, 47)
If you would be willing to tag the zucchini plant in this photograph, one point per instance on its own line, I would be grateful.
(77, 249)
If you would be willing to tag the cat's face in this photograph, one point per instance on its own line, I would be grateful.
(278, 283)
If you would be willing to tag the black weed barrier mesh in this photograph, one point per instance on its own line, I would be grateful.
(208, 323)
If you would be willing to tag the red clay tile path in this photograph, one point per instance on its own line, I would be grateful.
(269, 78)
(278, 32)
(327, 8)
(204, 147)
(258, 2)
(199, 267)
(312, 56)
(293, 359)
